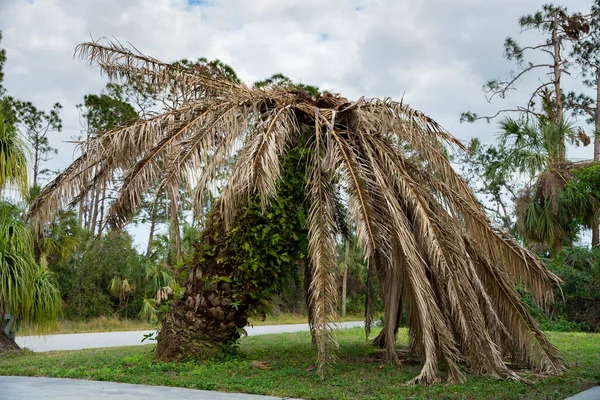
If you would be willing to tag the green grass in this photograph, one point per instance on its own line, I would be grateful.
(358, 374)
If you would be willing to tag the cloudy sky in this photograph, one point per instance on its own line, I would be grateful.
(435, 53)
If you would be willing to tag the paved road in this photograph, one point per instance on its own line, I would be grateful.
(33, 388)
(78, 341)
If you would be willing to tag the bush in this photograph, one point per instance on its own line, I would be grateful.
(84, 278)
(578, 305)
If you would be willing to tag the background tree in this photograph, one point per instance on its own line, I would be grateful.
(487, 169)
(35, 125)
(560, 29)
(534, 151)
(586, 52)
(101, 113)
(2, 62)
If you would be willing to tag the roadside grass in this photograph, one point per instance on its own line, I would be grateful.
(100, 324)
(359, 372)
(104, 324)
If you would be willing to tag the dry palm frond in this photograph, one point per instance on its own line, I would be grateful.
(427, 238)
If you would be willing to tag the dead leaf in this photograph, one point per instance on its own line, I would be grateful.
(260, 364)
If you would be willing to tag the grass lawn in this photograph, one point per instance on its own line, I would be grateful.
(358, 374)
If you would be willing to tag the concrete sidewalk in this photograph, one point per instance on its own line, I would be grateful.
(33, 388)
(590, 394)
(78, 341)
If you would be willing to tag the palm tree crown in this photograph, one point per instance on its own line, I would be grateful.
(424, 233)
(13, 156)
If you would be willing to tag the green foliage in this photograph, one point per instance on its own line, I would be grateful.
(13, 156)
(488, 171)
(579, 268)
(35, 125)
(107, 110)
(215, 68)
(47, 301)
(26, 289)
(582, 195)
(264, 246)
(17, 264)
(86, 276)
(106, 276)
(267, 245)
(577, 303)
(280, 80)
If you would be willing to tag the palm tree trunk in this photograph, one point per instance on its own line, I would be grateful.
(176, 233)
(345, 281)
(152, 228)
(209, 315)
(36, 164)
(595, 227)
(94, 215)
(7, 343)
(101, 225)
(557, 89)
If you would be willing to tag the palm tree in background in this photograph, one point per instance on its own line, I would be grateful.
(545, 217)
(13, 156)
(426, 237)
(27, 291)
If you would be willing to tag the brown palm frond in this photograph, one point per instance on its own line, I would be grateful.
(429, 243)
(119, 62)
(321, 247)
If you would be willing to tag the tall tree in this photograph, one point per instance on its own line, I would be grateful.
(427, 237)
(101, 113)
(537, 123)
(2, 62)
(586, 51)
(487, 169)
(35, 126)
(559, 29)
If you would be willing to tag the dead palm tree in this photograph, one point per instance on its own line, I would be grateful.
(426, 236)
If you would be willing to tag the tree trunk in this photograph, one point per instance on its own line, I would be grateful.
(209, 316)
(152, 228)
(36, 164)
(81, 212)
(94, 215)
(345, 281)
(557, 89)
(176, 233)
(595, 228)
(101, 224)
(6, 343)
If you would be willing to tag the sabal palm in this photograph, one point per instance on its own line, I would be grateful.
(534, 150)
(422, 230)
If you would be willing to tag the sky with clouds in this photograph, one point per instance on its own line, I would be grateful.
(436, 54)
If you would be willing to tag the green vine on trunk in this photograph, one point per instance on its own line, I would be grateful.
(264, 246)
